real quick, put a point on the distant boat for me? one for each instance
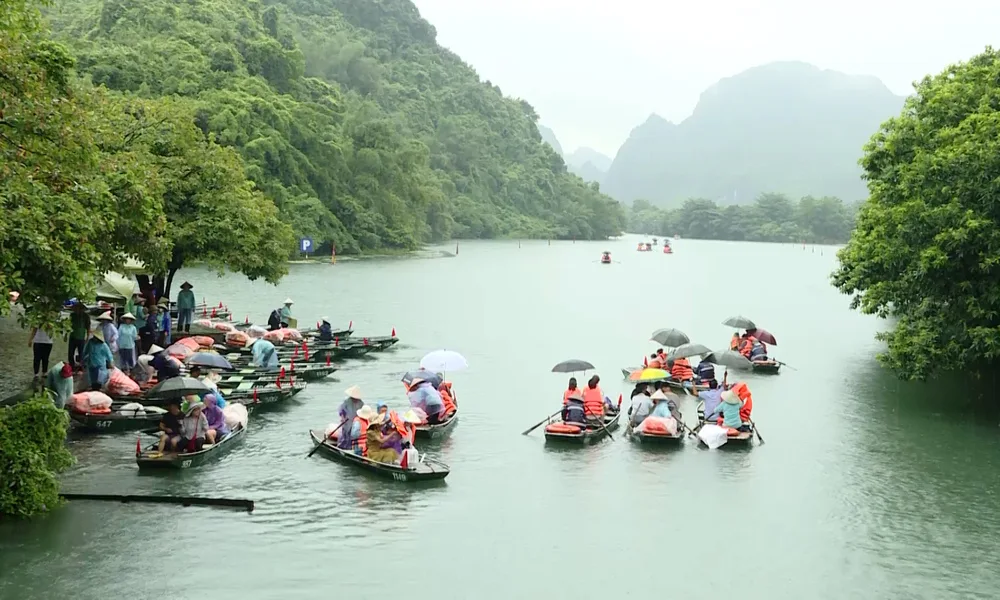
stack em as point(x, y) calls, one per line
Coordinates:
point(606, 258)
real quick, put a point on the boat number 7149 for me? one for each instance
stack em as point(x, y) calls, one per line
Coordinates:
point(399, 476)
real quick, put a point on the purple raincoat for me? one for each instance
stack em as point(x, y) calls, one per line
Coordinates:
point(216, 418)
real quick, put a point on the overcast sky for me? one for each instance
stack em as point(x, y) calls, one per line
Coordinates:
point(595, 69)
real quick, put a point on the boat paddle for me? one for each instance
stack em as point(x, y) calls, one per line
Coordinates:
point(605, 429)
point(784, 364)
point(323, 441)
point(754, 425)
point(540, 423)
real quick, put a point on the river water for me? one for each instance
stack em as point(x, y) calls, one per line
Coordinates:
point(865, 488)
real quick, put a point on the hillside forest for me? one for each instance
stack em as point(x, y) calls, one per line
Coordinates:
point(770, 218)
point(347, 114)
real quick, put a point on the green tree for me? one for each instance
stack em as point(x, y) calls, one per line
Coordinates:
point(926, 249)
point(63, 221)
point(32, 452)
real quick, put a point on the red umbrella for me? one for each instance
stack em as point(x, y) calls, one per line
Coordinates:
point(764, 336)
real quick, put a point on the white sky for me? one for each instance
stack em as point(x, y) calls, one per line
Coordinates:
point(595, 69)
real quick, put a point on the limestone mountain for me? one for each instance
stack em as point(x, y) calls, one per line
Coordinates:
point(786, 127)
point(588, 163)
point(549, 137)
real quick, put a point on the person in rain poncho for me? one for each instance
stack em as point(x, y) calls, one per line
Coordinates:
point(59, 380)
point(166, 366)
point(194, 428)
point(348, 410)
point(132, 303)
point(217, 428)
point(185, 307)
point(664, 406)
point(107, 324)
point(211, 381)
point(382, 446)
point(729, 408)
point(98, 360)
point(127, 336)
point(422, 395)
point(264, 354)
point(286, 312)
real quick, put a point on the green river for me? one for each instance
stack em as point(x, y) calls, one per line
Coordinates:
point(865, 488)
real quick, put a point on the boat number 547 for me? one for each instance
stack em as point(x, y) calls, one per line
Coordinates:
point(186, 464)
point(103, 424)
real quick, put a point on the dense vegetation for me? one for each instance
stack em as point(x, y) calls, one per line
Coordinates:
point(926, 249)
point(90, 177)
point(362, 130)
point(785, 127)
point(32, 452)
point(771, 218)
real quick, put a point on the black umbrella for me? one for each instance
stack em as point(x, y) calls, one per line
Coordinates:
point(572, 366)
point(686, 350)
point(669, 337)
point(433, 378)
point(178, 387)
point(728, 359)
point(740, 322)
point(209, 359)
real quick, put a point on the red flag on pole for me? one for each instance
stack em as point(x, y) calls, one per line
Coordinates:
point(328, 359)
point(336, 341)
point(405, 463)
point(305, 348)
point(293, 364)
point(393, 332)
point(138, 446)
point(619, 401)
point(255, 401)
point(350, 325)
point(246, 320)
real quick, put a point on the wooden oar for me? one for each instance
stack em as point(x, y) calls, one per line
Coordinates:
point(784, 364)
point(540, 423)
point(605, 429)
point(754, 425)
point(323, 441)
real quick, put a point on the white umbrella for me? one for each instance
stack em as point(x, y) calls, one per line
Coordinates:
point(440, 361)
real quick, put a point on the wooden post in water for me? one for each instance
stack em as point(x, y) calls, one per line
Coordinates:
point(456, 248)
point(333, 254)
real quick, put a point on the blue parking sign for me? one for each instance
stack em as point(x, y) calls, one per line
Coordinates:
point(305, 245)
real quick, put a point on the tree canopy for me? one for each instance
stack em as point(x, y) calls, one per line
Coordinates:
point(926, 249)
point(771, 218)
point(90, 177)
point(362, 130)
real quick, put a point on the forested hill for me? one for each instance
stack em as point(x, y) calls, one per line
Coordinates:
point(785, 127)
point(349, 116)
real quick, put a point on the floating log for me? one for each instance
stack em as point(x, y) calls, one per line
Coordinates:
point(246, 505)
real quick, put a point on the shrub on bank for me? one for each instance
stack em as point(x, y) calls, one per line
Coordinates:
point(32, 453)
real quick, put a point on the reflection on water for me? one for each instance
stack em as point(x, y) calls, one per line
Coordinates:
point(866, 488)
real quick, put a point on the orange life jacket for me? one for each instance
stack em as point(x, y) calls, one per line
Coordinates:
point(593, 401)
point(568, 393)
point(655, 363)
point(734, 343)
point(681, 371)
point(362, 440)
point(399, 425)
point(745, 347)
point(445, 390)
point(742, 392)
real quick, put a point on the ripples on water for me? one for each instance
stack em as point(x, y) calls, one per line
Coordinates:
point(865, 488)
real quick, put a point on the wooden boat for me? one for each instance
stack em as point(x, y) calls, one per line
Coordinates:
point(113, 422)
point(305, 372)
point(151, 459)
point(643, 437)
point(766, 367)
point(435, 432)
point(606, 258)
point(426, 470)
point(557, 431)
point(741, 439)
